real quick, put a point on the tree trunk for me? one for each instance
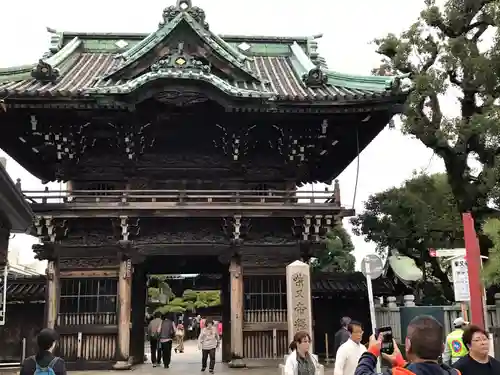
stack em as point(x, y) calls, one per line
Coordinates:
point(442, 276)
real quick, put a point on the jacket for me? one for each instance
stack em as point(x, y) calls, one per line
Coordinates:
point(43, 359)
point(167, 331)
point(368, 362)
point(154, 327)
point(291, 363)
point(341, 336)
point(208, 339)
point(454, 348)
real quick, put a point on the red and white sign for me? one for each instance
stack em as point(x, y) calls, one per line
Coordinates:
point(439, 253)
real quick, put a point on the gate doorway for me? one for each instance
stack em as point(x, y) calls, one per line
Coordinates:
point(157, 286)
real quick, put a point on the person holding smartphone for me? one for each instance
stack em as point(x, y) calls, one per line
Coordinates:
point(423, 347)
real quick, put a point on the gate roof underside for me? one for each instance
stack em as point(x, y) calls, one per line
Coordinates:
point(182, 51)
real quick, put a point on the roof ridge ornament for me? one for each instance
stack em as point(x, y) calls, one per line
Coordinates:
point(184, 6)
point(316, 77)
point(44, 72)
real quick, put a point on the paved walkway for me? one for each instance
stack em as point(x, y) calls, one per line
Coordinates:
point(189, 363)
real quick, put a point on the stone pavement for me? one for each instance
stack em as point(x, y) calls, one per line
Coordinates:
point(189, 363)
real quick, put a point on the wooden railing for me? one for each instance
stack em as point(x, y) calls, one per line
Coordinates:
point(219, 197)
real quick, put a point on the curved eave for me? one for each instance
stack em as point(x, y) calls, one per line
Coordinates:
point(372, 83)
point(146, 78)
point(13, 204)
point(358, 100)
point(378, 85)
point(24, 72)
point(151, 41)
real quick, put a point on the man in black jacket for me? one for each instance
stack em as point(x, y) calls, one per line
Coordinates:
point(423, 346)
point(342, 334)
point(46, 342)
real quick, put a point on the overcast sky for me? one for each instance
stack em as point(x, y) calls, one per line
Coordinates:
point(347, 27)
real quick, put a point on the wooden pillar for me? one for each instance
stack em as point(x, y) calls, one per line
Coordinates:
point(138, 301)
point(53, 291)
point(236, 282)
point(124, 314)
point(226, 318)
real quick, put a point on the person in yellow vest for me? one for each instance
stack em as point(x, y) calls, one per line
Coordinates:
point(454, 348)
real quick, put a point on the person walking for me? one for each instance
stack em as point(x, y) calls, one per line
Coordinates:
point(342, 335)
point(348, 355)
point(179, 337)
point(478, 360)
point(208, 342)
point(167, 333)
point(454, 347)
point(44, 362)
point(154, 327)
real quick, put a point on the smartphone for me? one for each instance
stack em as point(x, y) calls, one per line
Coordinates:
point(387, 346)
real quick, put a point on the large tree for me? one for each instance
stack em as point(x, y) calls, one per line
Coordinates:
point(419, 215)
point(454, 52)
point(337, 255)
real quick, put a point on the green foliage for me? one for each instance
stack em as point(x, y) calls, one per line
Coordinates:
point(412, 218)
point(491, 271)
point(442, 53)
point(337, 256)
point(157, 286)
point(191, 301)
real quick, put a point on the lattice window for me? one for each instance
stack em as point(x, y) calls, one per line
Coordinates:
point(88, 296)
point(265, 293)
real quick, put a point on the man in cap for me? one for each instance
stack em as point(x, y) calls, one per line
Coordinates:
point(454, 347)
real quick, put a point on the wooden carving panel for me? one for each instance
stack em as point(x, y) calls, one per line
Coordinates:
point(175, 231)
point(91, 232)
point(88, 263)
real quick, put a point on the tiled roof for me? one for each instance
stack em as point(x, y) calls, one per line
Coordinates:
point(89, 64)
point(26, 289)
point(350, 283)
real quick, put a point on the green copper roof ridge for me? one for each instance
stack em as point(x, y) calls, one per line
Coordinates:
point(137, 47)
point(373, 83)
point(301, 63)
point(153, 39)
point(60, 56)
point(133, 84)
point(24, 71)
point(231, 37)
point(230, 49)
point(201, 32)
point(145, 45)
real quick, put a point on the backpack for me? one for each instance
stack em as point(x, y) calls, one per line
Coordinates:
point(49, 370)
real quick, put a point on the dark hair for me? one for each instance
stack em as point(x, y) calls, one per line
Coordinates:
point(157, 314)
point(469, 332)
point(353, 324)
point(46, 339)
point(298, 338)
point(209, 321)
point(426, 336)
point(344, 322)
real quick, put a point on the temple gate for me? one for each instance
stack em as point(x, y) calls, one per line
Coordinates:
point(182, 152)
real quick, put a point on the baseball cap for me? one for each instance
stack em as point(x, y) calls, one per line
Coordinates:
point(458, 322)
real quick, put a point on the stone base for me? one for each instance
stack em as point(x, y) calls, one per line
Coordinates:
point(122, 365)
point(237, 363)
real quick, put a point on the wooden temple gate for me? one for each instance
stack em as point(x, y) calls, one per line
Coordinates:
point(265, 331)
point(193, 147)
point(87, 319)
